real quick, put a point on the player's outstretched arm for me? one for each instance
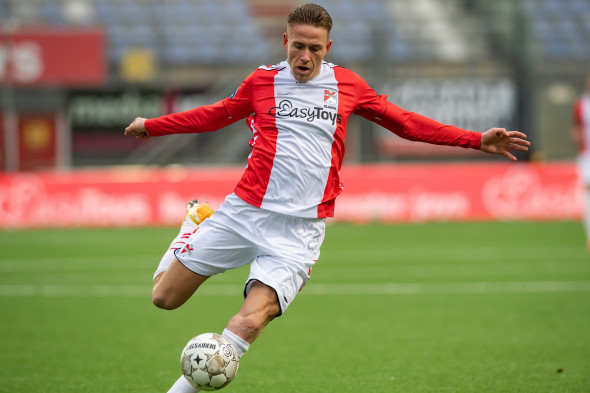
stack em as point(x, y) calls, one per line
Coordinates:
point(500, 141)
point(137, 128)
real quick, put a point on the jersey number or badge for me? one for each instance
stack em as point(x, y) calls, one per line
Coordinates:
point(330, 97)
point(187, 249)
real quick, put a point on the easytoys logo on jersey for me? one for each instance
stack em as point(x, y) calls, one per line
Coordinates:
point(287, 110)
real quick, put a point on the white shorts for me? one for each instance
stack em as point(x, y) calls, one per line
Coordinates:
point(282, 249)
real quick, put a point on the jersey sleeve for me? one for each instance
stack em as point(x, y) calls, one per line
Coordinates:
point(239, 105)
point(415, 127)
point(202, 119)
point(369, 104)
point(205, 118)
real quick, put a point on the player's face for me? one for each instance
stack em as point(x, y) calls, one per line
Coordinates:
point(306, 47)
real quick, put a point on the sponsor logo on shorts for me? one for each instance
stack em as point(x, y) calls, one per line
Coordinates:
point(187, 249)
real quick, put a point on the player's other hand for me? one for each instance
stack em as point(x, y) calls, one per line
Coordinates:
point(500, 141)
point(137, 129)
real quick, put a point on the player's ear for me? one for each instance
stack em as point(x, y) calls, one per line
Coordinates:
point(285, 40)
point(328, 46)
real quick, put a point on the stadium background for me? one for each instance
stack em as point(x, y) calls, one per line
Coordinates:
point(453, 306)
point(76, 72)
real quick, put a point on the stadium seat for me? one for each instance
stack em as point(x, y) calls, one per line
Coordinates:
point(561, 29)
point(51, 12)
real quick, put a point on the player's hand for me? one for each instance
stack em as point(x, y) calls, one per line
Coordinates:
point(137, 129)
point(500, 141)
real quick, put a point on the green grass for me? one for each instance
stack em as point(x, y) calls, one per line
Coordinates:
point(446, 307)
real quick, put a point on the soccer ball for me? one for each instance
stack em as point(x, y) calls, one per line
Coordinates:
point(209, 361)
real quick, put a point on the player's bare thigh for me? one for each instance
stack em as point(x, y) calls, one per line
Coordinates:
point(175, 286)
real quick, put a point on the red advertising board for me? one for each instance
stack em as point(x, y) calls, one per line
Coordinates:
point(459, 192)
point(385, 193)
point(64, 57)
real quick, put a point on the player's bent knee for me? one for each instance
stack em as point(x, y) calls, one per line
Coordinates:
point(164, 301)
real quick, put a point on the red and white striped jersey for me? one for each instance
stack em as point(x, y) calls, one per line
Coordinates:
point(299, 131)
point(582, 120)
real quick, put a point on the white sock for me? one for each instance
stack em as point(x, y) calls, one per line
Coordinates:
point(182, 386)
point(238, 342)
point(186, 230)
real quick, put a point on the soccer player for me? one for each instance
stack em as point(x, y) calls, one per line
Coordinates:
point(275, 218)
point(581, 134)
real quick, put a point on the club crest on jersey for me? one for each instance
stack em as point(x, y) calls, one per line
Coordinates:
point(330, 97)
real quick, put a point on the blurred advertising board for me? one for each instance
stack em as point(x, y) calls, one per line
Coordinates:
point(98, 119)
point(380, 193)
point(460, 192)
point(53, 57)
point(476, 104)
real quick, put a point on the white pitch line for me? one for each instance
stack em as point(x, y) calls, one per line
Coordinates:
point(310, 290)
point(104, 290)
point(448, 288)
point(65, 264)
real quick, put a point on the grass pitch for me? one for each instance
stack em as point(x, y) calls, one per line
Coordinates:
point(446, 307)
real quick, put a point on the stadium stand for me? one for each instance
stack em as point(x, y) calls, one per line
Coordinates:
point(180, 32)
point(186, 32)
point(174, 47)
point(559, 29)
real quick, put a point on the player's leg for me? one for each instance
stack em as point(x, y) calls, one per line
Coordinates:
point(584, 173)
point(217, 246)
point(587, 214)
point(195, 214)
point(180, 283)
point(175, 286)
point(277, 275)
point(259, 308)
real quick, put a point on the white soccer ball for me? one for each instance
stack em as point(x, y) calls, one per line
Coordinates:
point(209, 361)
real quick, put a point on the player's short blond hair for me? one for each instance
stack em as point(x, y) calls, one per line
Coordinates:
point(310, 14)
